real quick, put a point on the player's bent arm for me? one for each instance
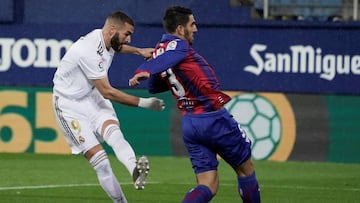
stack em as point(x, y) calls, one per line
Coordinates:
point(113, 94)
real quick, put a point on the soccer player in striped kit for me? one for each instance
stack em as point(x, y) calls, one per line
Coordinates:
point(82, 96)
point(208, 128)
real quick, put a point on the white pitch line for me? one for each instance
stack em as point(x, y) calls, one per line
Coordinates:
point(27, 187)
point(47, 186)
point(129, 183)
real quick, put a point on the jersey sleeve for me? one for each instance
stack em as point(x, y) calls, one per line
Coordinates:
point(173, 54)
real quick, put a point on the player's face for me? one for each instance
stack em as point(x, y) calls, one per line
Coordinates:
point(121, 36)
point(190, 29)
point(115, 42)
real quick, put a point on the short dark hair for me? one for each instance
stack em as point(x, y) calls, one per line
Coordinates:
point(120, 18)
point(174, 16)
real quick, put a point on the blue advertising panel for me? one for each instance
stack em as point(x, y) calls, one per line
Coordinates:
point(281, 58)
point(284, 59)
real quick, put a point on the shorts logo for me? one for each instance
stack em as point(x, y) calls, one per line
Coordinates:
point(76, 125)
point(81, 139)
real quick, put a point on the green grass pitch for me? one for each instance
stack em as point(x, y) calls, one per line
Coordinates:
point(40, 178)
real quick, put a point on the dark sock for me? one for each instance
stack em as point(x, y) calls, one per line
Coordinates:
point(248, 188)
point(200, 194)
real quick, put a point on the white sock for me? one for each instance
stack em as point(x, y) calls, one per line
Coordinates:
point(106, 177)
point(122, 149)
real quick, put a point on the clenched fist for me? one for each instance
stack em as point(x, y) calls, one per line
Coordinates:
point(152, 103)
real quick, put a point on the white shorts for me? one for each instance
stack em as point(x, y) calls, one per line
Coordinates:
point(81, 120)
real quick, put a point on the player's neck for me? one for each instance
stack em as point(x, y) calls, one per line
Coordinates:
point(106, 38)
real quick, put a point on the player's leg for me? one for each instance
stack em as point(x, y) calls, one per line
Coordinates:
point(208, 184)
point(99, 161)
point(232, 144)
point(248, 185)
point(203, 160)
point(138, 169)
point(108, 128)
point(115, 139)
point(79, 135)
point(235, 149)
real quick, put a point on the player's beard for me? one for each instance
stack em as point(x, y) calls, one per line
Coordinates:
point(188, 37)
point(115, 43)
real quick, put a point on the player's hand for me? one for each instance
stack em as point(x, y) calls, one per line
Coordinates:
point(146, 52)
point(152, 103)
point(138, 77)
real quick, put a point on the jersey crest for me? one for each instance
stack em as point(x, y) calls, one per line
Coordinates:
point(101, 66)
point(171, 45)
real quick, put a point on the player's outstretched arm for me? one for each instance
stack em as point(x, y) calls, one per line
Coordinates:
point(144, 52)
point(113, 94)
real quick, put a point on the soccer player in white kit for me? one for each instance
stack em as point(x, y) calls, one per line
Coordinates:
point(82, 105)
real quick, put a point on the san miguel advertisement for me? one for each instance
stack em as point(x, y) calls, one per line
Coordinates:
point(286, 59)
point(275, 60)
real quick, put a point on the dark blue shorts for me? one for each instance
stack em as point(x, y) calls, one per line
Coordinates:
point(208, 134)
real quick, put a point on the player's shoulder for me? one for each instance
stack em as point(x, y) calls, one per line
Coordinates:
point(89, 44)
point(91, 38)
point(176, 44)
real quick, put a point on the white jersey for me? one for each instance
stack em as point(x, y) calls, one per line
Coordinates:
point(87, 59)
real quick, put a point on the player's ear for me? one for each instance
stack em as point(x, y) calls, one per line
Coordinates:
point(112, 30)
point(180, 30)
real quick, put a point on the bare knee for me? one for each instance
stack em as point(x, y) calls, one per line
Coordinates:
point(245, 169)
point(106, 124)
point(90, 153)
point(209, 179)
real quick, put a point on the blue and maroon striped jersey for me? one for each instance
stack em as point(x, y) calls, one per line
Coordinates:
point(176, 66)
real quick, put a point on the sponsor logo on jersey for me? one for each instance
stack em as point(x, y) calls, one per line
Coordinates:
point(159, 50)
